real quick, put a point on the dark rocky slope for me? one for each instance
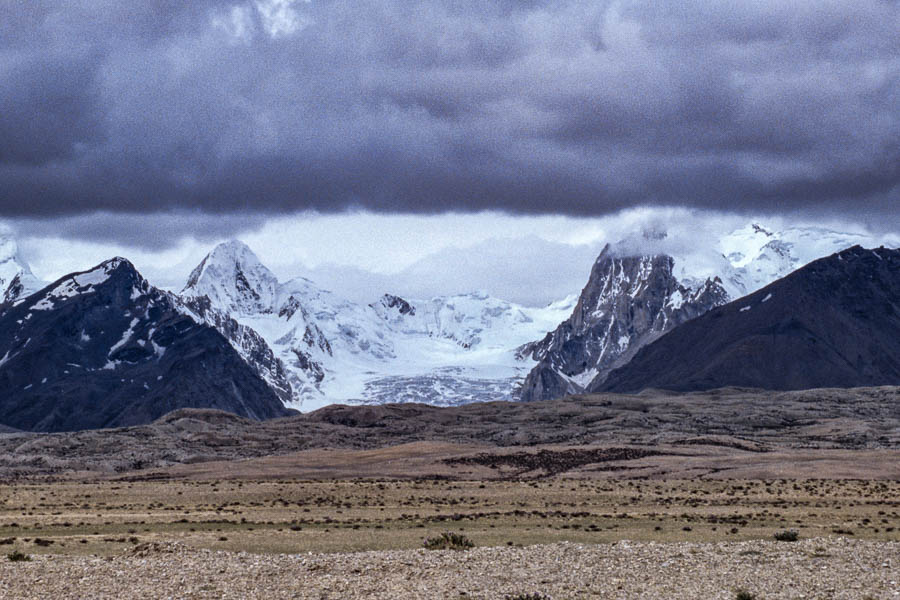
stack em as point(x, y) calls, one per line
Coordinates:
point(833, 323)
point(103, 348)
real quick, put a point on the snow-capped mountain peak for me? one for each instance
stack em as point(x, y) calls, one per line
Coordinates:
point(125, 280)
point(234, 280)
point(16, 278)
point(760, 254)
point(103, 347)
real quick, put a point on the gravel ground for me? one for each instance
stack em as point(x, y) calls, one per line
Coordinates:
point(831, 568)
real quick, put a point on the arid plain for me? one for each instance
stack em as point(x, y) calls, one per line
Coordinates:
point(656, 495)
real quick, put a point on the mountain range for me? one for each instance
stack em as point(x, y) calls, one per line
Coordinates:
point(238, 338)
point(444, 351)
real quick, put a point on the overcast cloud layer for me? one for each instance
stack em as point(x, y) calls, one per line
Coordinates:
point(532, 260)
point(580, 108)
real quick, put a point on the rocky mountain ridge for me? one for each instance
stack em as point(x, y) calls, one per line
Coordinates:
point(832, 323)
point(104, 348)
point(643, 286)
point(628, 302)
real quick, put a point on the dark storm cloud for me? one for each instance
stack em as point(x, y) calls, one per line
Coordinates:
point(574, 107)
point(153, 231)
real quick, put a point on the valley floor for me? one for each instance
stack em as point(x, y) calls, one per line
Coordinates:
point(648, 496)
point(561, 537)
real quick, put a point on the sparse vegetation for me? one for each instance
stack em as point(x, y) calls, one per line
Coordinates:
point(504, 519)
point(448, 541)
point(16, 556)
point(744, 595)
point(290, 516)
point(788, 535)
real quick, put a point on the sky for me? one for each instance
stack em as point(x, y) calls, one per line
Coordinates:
point(488, 141)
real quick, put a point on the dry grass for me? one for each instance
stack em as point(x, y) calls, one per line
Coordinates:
point(286, 516)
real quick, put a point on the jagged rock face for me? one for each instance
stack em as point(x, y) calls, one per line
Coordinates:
point(247, 342)
point(627, 303)
point(103, 348)
point(832, 323)
point(15, 289)
point(397, 303)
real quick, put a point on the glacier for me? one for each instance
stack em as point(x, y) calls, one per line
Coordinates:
point(443, 351)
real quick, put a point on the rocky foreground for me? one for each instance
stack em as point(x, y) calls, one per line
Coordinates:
point(833, 568)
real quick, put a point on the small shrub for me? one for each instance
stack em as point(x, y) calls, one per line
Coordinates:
point(16, 556)
point(534, 596)
point(788, 535)
point(449, 541)
point(744, 595)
